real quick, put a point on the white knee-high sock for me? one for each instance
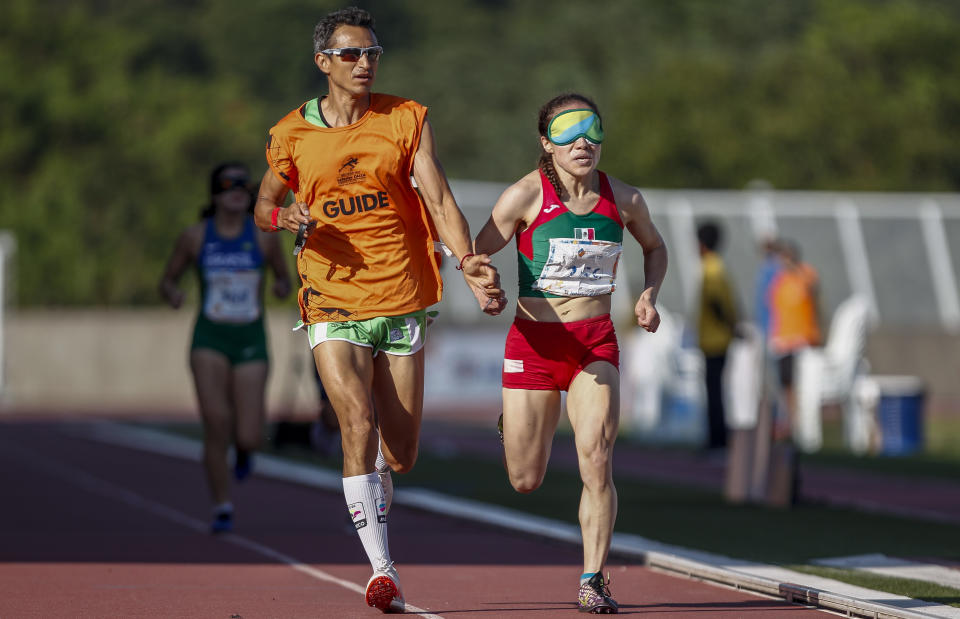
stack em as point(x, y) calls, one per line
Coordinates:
point(381, 462)
point(367, 508)
point(383, 470)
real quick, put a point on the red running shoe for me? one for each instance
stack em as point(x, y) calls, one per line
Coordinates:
point(383, 590)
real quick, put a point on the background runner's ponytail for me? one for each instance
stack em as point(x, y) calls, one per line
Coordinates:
point(545, 162)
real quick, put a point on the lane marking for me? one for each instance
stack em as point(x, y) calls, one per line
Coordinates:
point(824, 593)
point(104, 488)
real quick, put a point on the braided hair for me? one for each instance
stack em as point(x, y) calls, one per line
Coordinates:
point(545, 162)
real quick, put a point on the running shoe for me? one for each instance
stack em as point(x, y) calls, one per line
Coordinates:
point(594, 597)
point(383, 590)
point(500, 428)
point(243, 465)
point(222, 522)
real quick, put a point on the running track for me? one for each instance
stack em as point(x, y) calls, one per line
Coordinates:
point(89, 529)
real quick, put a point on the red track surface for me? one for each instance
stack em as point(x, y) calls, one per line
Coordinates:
point(93, 530)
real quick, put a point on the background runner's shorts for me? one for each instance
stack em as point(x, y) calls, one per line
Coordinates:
point(239, 343)
point(548, 355)
point(396, 335)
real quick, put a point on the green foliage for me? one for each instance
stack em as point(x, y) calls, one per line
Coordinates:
point(113, 113)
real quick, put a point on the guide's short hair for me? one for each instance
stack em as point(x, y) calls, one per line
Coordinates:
point(350, 16)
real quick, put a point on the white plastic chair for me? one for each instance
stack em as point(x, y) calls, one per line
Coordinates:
point(827, 375)
point(659, 371)
point(743, 378)
point(649, 364)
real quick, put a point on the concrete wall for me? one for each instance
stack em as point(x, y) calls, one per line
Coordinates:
point(135, 361)
point(117, 361)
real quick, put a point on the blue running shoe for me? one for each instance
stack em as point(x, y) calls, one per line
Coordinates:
point(222, 522)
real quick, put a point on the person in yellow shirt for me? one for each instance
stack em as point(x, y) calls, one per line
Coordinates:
point(716, 326)
point(367, 266)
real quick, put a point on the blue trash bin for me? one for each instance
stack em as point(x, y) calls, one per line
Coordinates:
point(900, 415)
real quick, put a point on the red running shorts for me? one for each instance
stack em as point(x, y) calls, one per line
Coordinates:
point(548, 355)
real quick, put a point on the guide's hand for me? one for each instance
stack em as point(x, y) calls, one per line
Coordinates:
point(293, 216)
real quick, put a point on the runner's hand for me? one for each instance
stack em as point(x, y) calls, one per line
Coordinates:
point(484, 281)
point(490, 305)
point(647, 315)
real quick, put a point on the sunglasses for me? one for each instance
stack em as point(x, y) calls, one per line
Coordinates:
point(232, 182)
point(569, 126)
point(352, 54)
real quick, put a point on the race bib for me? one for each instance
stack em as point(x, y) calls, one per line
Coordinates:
point(580, 268)
point(232, 296)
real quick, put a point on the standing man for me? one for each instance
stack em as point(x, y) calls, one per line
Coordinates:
point(367, 268)
point(716, 323)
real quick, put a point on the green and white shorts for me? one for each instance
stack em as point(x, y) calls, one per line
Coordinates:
point(394, 335)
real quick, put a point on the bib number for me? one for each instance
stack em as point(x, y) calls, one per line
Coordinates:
point(232, 296)
point(580, 268)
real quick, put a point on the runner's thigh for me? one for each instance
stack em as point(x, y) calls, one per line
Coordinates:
point(593, 405)
point(346, 371)
point(530, 418)
point(398, 392)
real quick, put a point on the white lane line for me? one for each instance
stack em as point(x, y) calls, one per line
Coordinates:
point(104, 488)
point(770, 580)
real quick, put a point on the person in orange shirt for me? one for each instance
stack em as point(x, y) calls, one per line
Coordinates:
point(794, 319)
point(367, 265)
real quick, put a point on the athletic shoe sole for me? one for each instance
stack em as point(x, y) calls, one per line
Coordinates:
point(600, 610)
point(382, 593)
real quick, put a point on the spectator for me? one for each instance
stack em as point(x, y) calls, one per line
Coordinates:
point(716, 324)
point(794, 323)
point(769, 267)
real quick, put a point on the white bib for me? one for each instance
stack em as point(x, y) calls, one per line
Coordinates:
point(580, 268)
point(232, 296)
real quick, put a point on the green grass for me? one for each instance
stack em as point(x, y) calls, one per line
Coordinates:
point(940, 458)
point(699, 519)
point(916, 589)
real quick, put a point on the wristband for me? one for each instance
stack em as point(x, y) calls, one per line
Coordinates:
point(273, 218)
point(465, 256)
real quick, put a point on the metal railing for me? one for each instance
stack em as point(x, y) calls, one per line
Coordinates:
point(901, 251)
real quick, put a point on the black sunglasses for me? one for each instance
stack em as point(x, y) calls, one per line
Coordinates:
point(352, 54)
point(231, 182)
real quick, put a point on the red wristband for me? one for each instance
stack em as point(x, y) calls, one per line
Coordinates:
point(273, 218)
point(465, 256)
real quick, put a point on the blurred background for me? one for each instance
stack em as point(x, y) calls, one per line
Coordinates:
point(833, 123)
